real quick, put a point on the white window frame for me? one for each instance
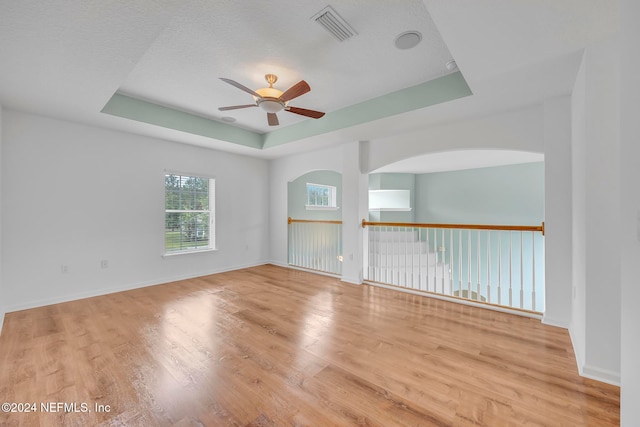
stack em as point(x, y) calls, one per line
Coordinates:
point(331, 200)
point(211, 244)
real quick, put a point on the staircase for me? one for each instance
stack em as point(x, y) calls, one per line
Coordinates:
point(401, 258)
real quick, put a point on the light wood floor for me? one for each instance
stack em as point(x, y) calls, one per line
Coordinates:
point(269, 346)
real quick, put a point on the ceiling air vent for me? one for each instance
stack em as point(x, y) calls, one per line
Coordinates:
point(334, 23)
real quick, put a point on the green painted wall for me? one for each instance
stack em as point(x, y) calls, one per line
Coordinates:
point(393, 181)
point(442, 89)
point(504, 195)
point(512, 194)
point(297, 195)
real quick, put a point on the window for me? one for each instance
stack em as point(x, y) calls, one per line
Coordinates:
point(189, 216)
point(321, 196)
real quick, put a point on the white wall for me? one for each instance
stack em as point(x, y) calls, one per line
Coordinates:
point(345, 159)
point(596, 212)
point(355, 186)
point(630, 218)
point(2, 296)
point(281, 172)
point(516, 130)
point(513, 130)
point(507, 194)
point(557, 211)
point(75, 195)
point(578, 215)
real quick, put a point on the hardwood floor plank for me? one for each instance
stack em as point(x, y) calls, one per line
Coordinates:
point(270, 346)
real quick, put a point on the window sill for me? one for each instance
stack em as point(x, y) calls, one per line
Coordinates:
point(199, 251)
point(321, 208)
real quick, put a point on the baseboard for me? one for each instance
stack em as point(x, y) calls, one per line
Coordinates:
point(2, 311)
point(462, 301)
point(602, 375)
point(352, 280)
point(278, 263)
point(308, 270)
point(593, 372)
point(122, 288)
point(576, 353)
point(555, 322)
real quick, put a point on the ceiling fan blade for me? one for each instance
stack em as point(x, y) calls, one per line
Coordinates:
point(295, 91)
point(235, 107)
point(239, 86)
point(272, 119)
point(304, 112)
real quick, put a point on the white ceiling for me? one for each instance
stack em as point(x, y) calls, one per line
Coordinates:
point(67, 58)
point(244, 41)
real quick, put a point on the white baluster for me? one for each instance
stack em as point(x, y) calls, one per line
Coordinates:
point(387, 272)
point(478, 259)
point(379, 254)
point(450, 262)
point(405, 263)
point(413, 247)
point(510, 270)
point(499, 268)
point(488, 266)
point(323, 255)
point(469, 264)
point(460, 263)
point(443, 261)
point(428, 278)
point(533, 271)
point(435, 267)
point(521, 274)
point(394, 266)
point(420, 258)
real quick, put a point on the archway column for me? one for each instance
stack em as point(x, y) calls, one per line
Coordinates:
point(355, 205)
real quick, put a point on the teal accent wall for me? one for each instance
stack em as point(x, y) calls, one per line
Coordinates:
point(393, 181)
point(502, 195)
point(297, 196)
point(505, 195)
point(442, 89)
point(147, 112)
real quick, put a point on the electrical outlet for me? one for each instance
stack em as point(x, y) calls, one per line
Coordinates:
point(104, 263)
point(64, 269)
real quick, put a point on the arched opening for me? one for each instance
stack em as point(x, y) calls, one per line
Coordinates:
point(314, 203)
point(450, 223)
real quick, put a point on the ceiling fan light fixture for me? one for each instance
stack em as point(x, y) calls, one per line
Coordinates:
point(269, 96)
point(271, 105)
point(272, 100)
point(269, 92)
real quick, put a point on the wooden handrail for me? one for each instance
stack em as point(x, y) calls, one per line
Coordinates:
point(317, 221)
point(539, 228)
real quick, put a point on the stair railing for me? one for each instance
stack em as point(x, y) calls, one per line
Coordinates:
point(315, 245)
point(494, 264)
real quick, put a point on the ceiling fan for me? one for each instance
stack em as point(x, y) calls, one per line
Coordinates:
point(273, 100)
